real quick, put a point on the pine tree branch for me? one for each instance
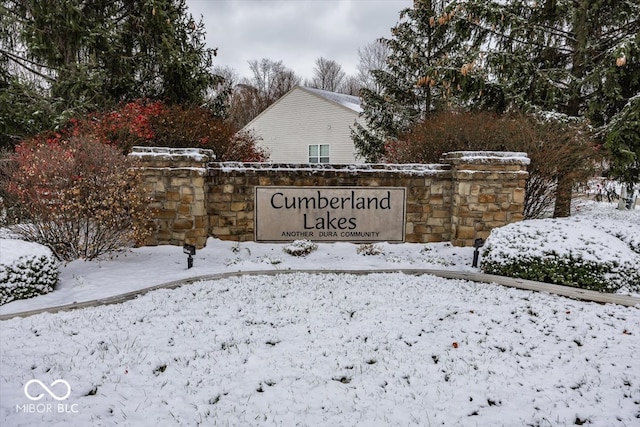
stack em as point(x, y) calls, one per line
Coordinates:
point(518, 40)
point(21, 62)
point(4, 10)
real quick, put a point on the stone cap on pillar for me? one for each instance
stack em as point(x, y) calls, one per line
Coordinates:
point(172, 157)
point(477, 161)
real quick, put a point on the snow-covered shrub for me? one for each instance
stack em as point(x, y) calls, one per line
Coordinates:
point(369, 249)
point(563, 252)
point(622, 224)
point(300, 247)
point(26, 270)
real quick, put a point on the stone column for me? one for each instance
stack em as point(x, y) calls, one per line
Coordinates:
point(175, 181)
point(488, 192)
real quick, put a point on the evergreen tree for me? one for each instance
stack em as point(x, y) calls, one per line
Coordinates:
point(562, 59)
point(85, 55)
point(623, 141)
point(407, 92)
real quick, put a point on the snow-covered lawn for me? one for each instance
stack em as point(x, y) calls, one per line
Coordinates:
point(145, 267)
point(329, 350)
point(316, 350)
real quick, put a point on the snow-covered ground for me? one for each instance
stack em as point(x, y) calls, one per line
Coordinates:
point(303, 349)
point(148, 266)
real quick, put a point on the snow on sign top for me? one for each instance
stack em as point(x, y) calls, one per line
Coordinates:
point(349, 101)
point(475, 156)
point(197, 154)
point(406, 168)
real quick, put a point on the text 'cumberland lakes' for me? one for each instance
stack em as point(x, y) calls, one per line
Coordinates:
point(280, 201)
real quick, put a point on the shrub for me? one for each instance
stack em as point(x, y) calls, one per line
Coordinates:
point(10, 209)
point(369, 249)
point(26, 270)
point(556, 150)
point(196, 127)
point(154, 124)
point(82, 198)
point(618, 223)
point(556, 251)
point(300, 248)
point(125, 127)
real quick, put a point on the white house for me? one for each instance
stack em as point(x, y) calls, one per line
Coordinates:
point(309, 125)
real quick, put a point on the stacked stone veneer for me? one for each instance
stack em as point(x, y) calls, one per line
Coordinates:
point(488, 191)
point(459, 200)
point(175, 180)
point(232, 186)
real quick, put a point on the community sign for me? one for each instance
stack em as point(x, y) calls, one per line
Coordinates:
point(352, 214)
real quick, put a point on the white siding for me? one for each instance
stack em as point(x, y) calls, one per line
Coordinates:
point(301, 118)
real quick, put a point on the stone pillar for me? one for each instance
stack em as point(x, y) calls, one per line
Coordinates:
point(175, 181)
point(488, 191)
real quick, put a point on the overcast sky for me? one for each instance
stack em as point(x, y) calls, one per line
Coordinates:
point(294, 31)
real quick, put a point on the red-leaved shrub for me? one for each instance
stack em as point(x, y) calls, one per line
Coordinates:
point(196, 127)
point(82, 199)
point(154, 124)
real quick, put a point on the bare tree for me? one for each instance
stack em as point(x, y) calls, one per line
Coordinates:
point(372, 57)
point(271, 79)
point(229, 75)
point(244, 104)
point(328, 75)
point(221, 94)
point(351, 86)
point(250, 96)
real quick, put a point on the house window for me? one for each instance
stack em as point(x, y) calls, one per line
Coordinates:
point(319, 153)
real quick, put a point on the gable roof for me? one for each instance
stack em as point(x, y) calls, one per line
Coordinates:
point(349, 101)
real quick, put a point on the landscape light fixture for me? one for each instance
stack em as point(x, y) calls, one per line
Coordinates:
point(477, 244)
point(191, 251)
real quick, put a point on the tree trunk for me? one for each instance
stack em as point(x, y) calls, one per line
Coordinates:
point(563, 197)
point(579, 59)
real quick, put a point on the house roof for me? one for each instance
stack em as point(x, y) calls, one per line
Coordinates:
point(349, 101)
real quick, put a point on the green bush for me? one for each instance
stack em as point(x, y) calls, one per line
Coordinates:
point(29, 271)
point(562, 252)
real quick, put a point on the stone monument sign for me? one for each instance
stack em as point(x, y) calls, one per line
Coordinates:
point(352, 214)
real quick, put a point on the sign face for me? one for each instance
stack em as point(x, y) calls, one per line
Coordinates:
point(350, 214)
